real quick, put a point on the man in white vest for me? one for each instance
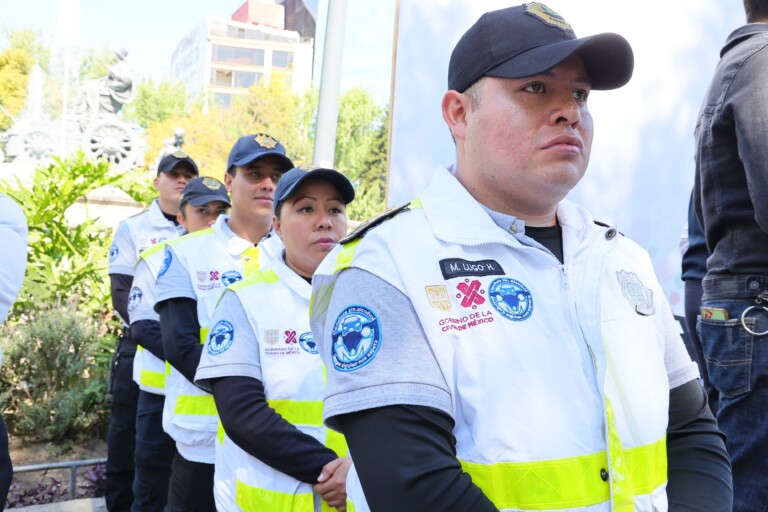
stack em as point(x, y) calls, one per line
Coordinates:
point(196, 270)
point(202, 201)
point(490, 346)
point(133, 235)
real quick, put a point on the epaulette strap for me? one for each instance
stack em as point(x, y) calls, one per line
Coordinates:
point(604, 225)
point(371, 223)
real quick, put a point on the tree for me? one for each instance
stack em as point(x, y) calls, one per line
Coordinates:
point(371, 186)
point(28, 40)
point(359, 121)
point(15, 66)
point(154, 103)
point(272, 107)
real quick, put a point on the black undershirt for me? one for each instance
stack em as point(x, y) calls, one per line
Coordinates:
point(550, 237)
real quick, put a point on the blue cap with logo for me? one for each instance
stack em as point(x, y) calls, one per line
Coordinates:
point(178, 157)
point(291, 180)
point(252, 147)
point(204, 190)
point(529, 39)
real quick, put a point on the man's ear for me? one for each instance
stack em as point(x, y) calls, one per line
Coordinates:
point(456, 106)
point(278, 227)
point(228, 181)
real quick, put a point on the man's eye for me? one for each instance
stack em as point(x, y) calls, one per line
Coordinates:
point(581, 95)
point(538, 87)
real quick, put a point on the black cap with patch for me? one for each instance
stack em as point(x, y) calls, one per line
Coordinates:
point(170, 162)
point(204, 190)
point(530, 39)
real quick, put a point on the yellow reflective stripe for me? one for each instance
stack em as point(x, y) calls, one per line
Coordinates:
point(541, 485)
point(220, 432)
point(336, 442)
point(253, 499)
point(416, 204)
point(139, 348)
point(167, 368)
point(568, 483)
point(299, 412)
point(152, 379)
point(198, 405)
point(152, 249)
point(350, 506)
point(204, 334)
point(647, 466)
point(346, 253)
point(250, 259)
point(621, 483)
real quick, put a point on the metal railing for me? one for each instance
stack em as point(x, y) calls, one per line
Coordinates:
point(72, 465)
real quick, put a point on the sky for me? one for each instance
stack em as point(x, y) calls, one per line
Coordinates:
point(148, 29)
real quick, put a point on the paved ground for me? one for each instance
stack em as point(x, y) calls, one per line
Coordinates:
point(83, 505)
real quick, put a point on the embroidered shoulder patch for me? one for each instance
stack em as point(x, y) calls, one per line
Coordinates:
point(639, 296)
point(221, 337)
point(371, 223)
point(356, 338)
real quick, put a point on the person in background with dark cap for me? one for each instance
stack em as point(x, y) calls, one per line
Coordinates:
point(731, 203)
point(490, 346)
point(133, 235)
point(202, 201)
point(263, 368)
point(196, 270)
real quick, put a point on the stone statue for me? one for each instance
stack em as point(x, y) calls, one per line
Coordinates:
point(108, 94)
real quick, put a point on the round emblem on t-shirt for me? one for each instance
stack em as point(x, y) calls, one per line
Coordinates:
point(221, 337)
point(230, 276)
point(307, 342)
point(113, 253)
point(166, 262)
point(134, 298)
point(511, 298)
point(356, 338)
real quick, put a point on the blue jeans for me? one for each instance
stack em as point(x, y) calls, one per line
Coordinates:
point(737, 364)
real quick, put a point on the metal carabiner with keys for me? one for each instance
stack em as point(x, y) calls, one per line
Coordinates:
point(758, 304)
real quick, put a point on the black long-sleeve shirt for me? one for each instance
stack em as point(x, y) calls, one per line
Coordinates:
point(180, 334)
point(147, 333)
point(260, 431)
point(419, 442)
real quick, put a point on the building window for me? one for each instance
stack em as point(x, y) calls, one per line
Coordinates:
point(282, 59)
point(221, 77)
point(238, 56)
point(246, 79)
point(222, 99)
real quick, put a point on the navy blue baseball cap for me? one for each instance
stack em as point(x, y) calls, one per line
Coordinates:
point(251, 147)
point(204, 190)
point(530, 39)
point(170, 162)
point(291, 180)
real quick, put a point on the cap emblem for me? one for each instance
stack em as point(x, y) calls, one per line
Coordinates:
point(180, 154)
point(547, 15)
point(211, 183)
point(265, 141)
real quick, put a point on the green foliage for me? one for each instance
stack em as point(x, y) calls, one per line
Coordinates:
point(28, 40)
point(95, 63)
point(359, 120)
point(65, 262)
point(54, 379)
point(272, 107)
point(154, 103)
point(371, 182)
point(138, 183)
point(15, 66)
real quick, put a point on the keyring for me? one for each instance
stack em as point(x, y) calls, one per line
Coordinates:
point(744, 324)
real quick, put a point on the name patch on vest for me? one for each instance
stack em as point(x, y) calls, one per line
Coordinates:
point(457, 267)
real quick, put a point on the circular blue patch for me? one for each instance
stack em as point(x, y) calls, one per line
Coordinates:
point(221, 337)
point(134, 298)
point(511, 298)
point(231, 276)
point(114, 252)
point(307, 342)
point(356, 338)
point(166, 262)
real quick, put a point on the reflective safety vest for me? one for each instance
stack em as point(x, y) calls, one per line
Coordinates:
point(555, 371)
point(148, 370)
point(213, 260)
point(276, 303)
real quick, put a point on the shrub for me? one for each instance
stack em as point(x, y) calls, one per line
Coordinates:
point(54, 376)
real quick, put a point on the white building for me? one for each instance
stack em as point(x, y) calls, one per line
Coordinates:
point(220, 58)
